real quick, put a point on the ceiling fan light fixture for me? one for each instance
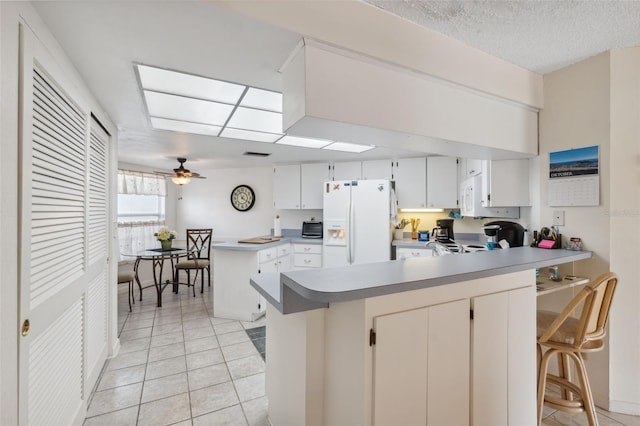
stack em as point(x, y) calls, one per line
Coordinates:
point(180, 180)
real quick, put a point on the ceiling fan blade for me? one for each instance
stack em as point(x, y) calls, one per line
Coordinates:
point(164, 173)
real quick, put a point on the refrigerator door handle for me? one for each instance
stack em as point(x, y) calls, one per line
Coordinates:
point(348, 230)
point(352, 229)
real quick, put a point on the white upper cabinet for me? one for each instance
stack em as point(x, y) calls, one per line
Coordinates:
point(286, 187)
point(410, 175)
point(350, 170)
point(299, 186)
point(377, 169)
point(312, 177)
point(505, 183)
point(471, 167)
point(442, 182)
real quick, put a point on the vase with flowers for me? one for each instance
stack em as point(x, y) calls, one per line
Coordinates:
point(165, 236)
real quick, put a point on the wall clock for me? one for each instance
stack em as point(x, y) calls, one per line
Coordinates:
point(243, 198)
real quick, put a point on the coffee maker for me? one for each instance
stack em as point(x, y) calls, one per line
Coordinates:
point(443, 232)
point(511, 232)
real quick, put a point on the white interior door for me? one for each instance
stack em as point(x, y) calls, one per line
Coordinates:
point(63, 236)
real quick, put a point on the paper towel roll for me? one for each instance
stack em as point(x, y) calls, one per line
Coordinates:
point(277, 232)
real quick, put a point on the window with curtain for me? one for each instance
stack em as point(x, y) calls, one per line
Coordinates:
point(141, 210)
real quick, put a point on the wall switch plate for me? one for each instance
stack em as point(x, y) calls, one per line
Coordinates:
point(558, 217)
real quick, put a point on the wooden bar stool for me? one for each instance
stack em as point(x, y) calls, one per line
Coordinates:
point(568, 338)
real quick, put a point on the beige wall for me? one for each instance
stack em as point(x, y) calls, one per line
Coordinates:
point(597, 102)
point(624, 230)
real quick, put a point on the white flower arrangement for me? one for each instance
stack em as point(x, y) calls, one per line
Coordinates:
point(165, 234)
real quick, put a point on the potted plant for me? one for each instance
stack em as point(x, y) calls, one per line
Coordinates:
point(165, 236)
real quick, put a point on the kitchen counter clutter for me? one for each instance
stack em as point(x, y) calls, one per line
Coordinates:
point(435, 340)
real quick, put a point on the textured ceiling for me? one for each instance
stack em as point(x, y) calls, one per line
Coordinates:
point(541, 36)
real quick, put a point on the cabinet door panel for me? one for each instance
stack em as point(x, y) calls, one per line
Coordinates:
point(509, 183)
point(400, 368)
point(522, 353)
point(377, 169)
point(448, 364)
point(442, 182)
point(286, 187)
point(351, 170)
point(312, 176)
point(410, 175)
point(490, 358)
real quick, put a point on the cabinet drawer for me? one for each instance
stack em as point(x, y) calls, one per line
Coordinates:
point(284, 250)
point(267, 254)
point(405, 253)
point(308, 248)
point(307, 260)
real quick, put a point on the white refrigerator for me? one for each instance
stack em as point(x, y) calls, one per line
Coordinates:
point(357, 222)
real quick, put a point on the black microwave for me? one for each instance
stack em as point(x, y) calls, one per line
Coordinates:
point(311, 229)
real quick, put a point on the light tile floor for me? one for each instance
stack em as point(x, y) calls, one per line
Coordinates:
point(605, 418)
point(180, 365)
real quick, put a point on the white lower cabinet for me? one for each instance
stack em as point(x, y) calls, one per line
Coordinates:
point(421, 366)
point(274, 259)
point(406, 252)
point(307, 256)
point(500, 322)
point(423, 360)
point(233, 296)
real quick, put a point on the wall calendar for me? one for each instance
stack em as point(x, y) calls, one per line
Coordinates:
point(574, 177)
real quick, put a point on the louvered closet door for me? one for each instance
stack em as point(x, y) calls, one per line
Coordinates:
point(63, 244)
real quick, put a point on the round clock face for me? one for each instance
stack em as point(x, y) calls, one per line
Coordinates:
point(242, 198)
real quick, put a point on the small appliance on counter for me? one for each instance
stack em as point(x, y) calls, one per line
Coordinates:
point(443, 232)
point(511, 232)
point(312, 229)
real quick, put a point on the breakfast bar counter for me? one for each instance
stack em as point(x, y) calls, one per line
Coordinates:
point(297, 291)
point(433, 340)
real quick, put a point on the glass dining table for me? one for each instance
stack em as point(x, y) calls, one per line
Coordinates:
point(158, 257)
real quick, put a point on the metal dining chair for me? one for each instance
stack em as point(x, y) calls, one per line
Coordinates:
point(199, 258)
point(127, 278)
point(569, 337)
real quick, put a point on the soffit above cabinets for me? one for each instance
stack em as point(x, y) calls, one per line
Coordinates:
point(335, 94)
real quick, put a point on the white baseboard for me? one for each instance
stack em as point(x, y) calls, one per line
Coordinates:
point(625, 407)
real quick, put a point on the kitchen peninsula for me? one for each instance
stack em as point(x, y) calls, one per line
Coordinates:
point(234, 262)
point(436, 340)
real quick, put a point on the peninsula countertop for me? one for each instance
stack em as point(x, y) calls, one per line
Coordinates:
point(297, 291)
point(233, 244)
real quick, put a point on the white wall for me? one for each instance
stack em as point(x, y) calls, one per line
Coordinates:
point(207, 204)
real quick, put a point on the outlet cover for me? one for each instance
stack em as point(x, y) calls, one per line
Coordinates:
point(558, 217)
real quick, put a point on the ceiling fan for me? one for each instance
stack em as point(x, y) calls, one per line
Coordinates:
point(180, 175)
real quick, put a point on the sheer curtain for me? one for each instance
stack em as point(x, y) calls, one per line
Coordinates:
point(135, 232)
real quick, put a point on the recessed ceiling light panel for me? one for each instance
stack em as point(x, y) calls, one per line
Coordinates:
point(187, 109)
point(348, 147)
point(229, 132)
point(188, 85)
point(185, 127)
point(262, 99)
point(304, 142)
point(255, 119)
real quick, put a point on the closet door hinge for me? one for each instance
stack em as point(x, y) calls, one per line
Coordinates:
point(372, 337)
point(470, 313)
